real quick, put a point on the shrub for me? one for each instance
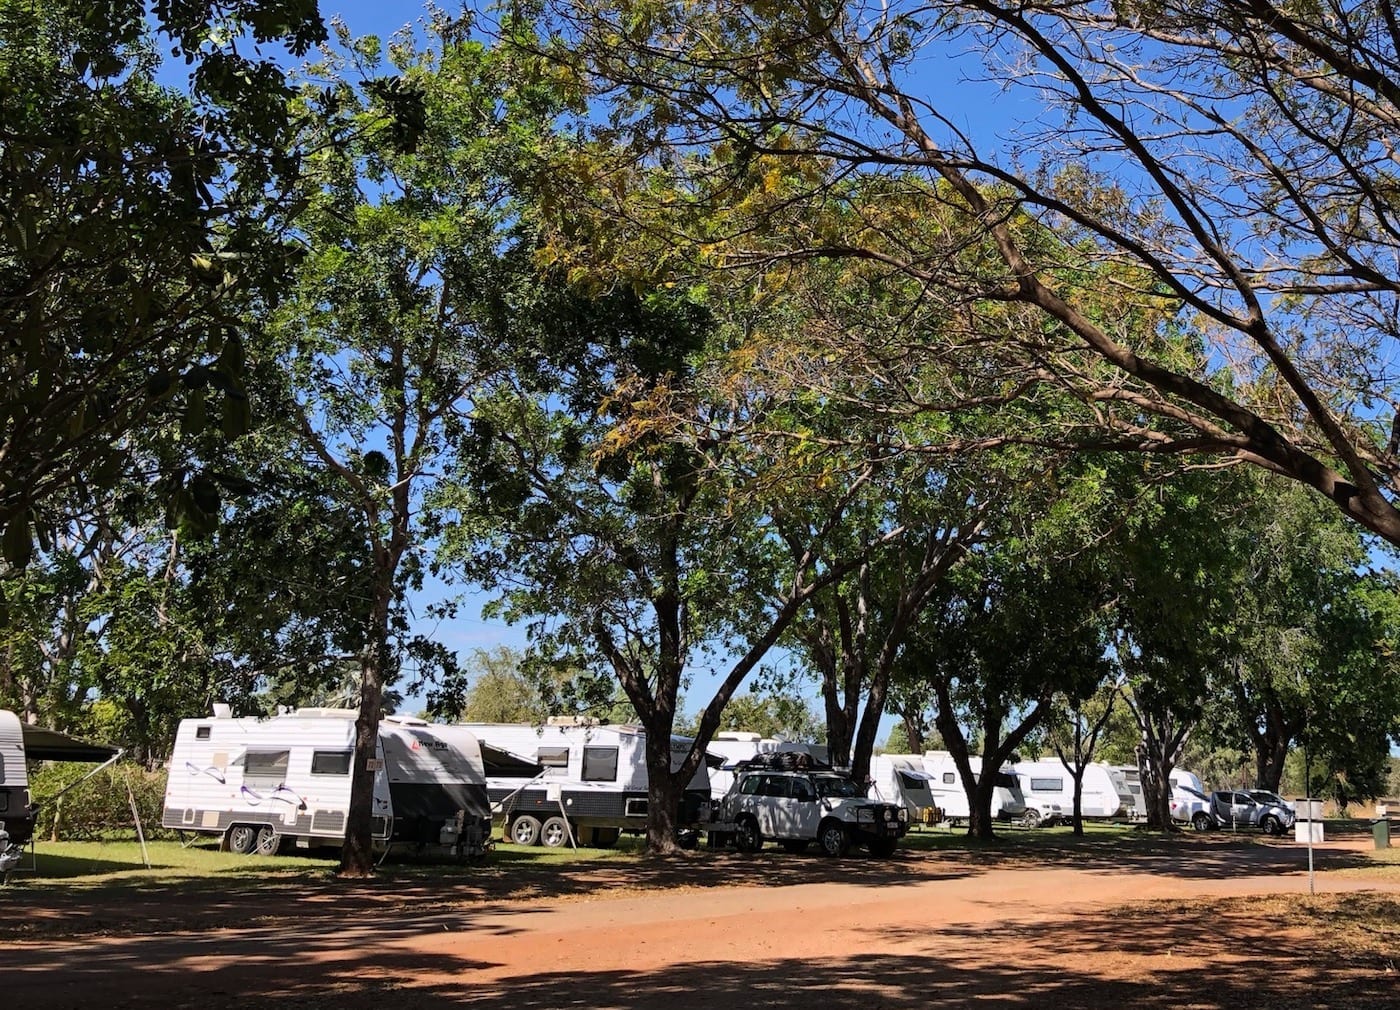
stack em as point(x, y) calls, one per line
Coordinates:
point(100, 805)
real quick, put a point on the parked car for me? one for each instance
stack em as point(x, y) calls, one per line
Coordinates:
point(796, 807)
point(1241, 810)
point(1264, 796)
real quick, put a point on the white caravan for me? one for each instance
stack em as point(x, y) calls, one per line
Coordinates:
point(21, 742)
point(1048, 784)
point(1183, 805)
point(16, 813)
point(255, 782)
point(592, 784)
point(900, 778)
point(1008, 802)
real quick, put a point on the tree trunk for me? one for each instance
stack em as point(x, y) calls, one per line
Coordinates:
point(1154, 775)
point(913, 730)
point(664, 791)
point(357, 854)
point(1078, 776)
point(981, 822)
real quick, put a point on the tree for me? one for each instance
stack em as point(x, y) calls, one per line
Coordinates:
point(414, 232)
point(1008, 628)
point(635, 547)
point(1317, 620)
point(774, 716)
point(130, 237)
point(1074, 731)
point(1227, 160)
point(499, 691)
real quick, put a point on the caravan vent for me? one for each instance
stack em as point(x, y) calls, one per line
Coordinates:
point(328, 822)
point(636, 807)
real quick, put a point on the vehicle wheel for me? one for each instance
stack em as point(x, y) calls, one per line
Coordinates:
point(1031, 818)
point(1272, 825)
point(269, 841)
point(242, 838)
point(883, 848)
point(833, 840)
point(1201, 822)
point(794, 844)
point(747, 838)
point(554, 833)
point(525, 830)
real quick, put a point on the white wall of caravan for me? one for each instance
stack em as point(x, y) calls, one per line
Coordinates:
point(901, 778)
point(562, 752)
point(208, 769)
point(1007, 801)
point(1050, 780)
point(12, 768)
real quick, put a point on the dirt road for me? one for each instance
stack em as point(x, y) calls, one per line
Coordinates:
point(971, 930)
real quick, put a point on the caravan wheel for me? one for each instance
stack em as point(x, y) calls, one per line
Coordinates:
point(242, 838)
point(555, 833)
point(525, 830)
point(269, 841)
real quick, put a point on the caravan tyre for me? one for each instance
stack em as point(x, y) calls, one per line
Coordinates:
point(833, 839)
point(242, 838)
point(269, 841)
point(554, 833)
point(525, 830)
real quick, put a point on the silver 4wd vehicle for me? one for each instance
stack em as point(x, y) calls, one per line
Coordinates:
point(1241, 810)
point(798, 807)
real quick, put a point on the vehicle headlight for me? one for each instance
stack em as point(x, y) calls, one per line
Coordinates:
point(866, 814)
point(903, 814)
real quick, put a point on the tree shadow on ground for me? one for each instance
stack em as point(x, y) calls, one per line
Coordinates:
point(311, 895)
point(1152, 956)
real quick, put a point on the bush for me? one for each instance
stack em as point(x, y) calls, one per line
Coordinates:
point(99, 806)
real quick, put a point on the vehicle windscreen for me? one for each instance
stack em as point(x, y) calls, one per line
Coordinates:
point(835, 785)
point(1007, 781)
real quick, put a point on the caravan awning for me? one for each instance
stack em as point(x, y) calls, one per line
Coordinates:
point(503, 764)
point(42, 744)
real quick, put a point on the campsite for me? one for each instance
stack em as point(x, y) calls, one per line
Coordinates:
point(1120, 919)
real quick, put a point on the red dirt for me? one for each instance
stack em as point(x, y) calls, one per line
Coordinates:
point(1071, 929)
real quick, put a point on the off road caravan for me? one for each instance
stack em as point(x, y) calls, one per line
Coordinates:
point(16, 814)
point(592, 785)
point(1049, 782)
point(900, 778)
point(21, 742)
point(1008, 803)
point(259, 782)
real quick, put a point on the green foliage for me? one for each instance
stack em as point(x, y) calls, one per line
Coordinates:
point(776, 716)
point(129, 241)
point(99, 807)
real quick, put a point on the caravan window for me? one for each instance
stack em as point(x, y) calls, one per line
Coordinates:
point(330, 762)
point(948, 778)
point(600, 764)
point(266, 767)
point(1047, 785)
point(201, 732)
point(553, 757)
